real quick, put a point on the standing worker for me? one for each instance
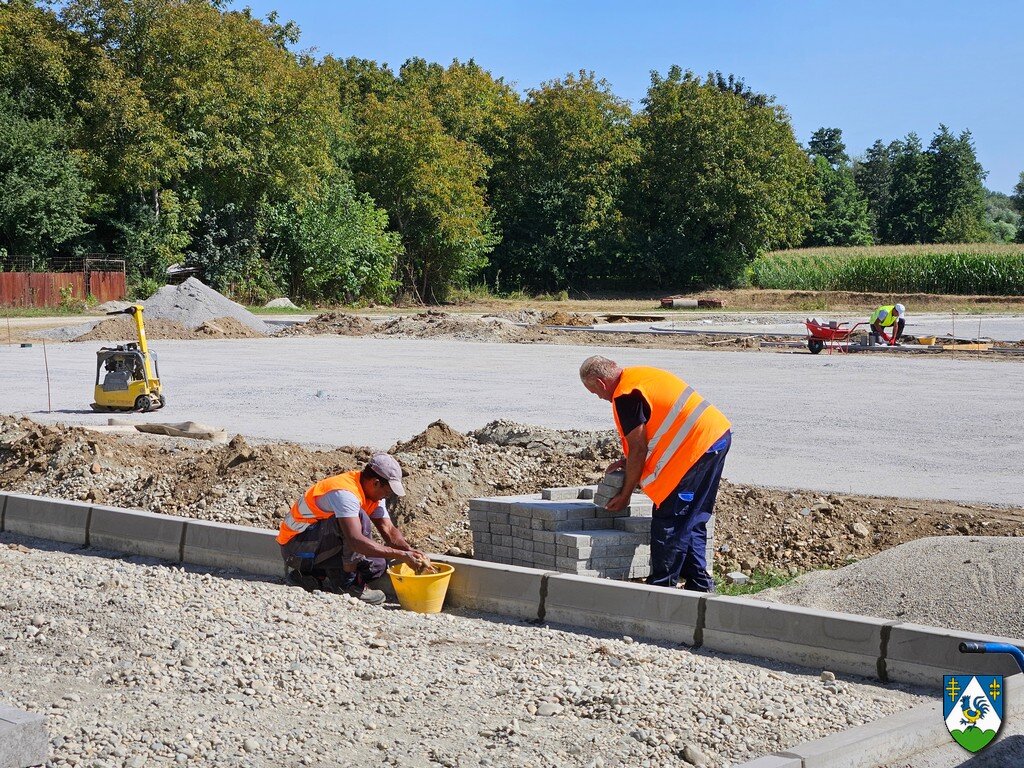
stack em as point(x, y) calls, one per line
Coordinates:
point(675, 443)
point(326, 536)
point(887, 317)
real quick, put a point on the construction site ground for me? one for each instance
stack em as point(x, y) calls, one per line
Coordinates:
point(835, 458)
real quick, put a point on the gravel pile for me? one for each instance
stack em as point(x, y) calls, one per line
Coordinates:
point(193, 303)
point(969, 583)
point(140, 664)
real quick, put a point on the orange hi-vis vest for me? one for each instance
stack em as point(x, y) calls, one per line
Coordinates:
point(682, 427)
point(305, 511)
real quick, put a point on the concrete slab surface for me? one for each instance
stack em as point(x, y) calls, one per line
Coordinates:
point(799, 420)
point(23, 738)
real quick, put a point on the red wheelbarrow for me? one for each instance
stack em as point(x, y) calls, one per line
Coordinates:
point(832, 335)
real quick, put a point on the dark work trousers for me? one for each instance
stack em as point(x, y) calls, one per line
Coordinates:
point(321, 551)
point(679, 526)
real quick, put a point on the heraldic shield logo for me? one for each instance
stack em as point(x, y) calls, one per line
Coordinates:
point(973, 708)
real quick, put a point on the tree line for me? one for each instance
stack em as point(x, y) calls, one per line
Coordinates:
point(184, 132)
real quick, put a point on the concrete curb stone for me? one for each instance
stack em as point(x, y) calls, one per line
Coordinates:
point(23, 738)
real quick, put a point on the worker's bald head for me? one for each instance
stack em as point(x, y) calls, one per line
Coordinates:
point(600, 376)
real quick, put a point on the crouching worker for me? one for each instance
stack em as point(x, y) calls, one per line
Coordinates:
point(326, 536)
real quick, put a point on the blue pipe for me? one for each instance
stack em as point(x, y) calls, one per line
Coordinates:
point(1013, 650)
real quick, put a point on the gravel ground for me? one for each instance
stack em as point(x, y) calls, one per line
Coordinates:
point(136, 663)
point(970, 583)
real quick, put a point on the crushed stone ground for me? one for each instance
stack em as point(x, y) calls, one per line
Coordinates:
point(140, 664)
point(969, 583)
point(757, 528)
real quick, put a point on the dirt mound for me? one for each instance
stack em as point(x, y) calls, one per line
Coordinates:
point(122, 328)
point(528, 316)
point(756, 529)
point(226, 328)
point(435, 324)
point(569, 319)
point(436, 435)
point(328, 323)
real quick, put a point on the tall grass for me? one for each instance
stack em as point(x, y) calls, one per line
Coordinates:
point(984, 268)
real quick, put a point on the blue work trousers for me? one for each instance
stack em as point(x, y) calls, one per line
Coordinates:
point(679, 525)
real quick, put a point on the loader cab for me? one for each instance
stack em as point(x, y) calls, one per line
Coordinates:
point(121, 382)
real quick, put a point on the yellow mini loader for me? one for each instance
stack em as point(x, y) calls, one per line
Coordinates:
point(132, 378)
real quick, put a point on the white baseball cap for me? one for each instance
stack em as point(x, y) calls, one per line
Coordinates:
point(900, 310)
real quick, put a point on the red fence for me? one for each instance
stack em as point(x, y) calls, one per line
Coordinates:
point(42, 289)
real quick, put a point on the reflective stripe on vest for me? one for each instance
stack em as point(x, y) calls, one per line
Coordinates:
point(304, 512)
point(684, 427)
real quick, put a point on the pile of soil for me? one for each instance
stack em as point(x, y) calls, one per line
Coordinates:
point(572, 319)
point(193, 303)
point(757, 528)
point(434, 324)
point(328, 323)
point(122, 328)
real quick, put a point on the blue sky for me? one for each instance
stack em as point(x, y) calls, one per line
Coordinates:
point(877, 70)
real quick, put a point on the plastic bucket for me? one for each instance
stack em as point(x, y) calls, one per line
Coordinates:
point(422, 593)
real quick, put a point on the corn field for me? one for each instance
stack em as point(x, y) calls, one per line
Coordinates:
point(976, 269)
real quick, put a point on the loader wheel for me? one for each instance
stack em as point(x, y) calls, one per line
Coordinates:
point(144, 403)
point(815, 345)
point(163, 401)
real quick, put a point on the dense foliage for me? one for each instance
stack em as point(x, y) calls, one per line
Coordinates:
point(185, 132)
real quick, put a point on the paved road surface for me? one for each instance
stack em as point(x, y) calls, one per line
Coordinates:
point(866, 424)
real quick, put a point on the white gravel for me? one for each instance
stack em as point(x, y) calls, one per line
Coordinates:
point(969, 583)
point(193, 303)
point(135, 663)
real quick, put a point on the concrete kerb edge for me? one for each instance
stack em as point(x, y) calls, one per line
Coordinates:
point(3, 510)
point(893, 738)
point(23, 737)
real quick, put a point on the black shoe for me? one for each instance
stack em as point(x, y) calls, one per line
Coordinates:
point(304, 580)
point(354, 588)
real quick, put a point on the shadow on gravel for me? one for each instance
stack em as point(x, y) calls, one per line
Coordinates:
point(1003, 753)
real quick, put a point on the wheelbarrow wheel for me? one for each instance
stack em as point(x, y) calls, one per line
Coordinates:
point(815, 345)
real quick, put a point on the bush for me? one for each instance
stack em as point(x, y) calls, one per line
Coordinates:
point(143, 288)
point(991, 269)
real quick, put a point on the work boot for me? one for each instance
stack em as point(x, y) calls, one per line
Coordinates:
point(306, 581)
point(346, 585)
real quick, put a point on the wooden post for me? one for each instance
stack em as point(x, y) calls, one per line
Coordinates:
point(46, 362)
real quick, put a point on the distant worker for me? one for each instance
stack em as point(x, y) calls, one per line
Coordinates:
point(326, 536)
point(888, 317)
point(675, 443)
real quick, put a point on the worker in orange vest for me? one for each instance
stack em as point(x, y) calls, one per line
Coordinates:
point(675, 443)
point(326, 536)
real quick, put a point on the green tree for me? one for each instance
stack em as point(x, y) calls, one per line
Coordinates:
point(873, 176)
point(720, 179)
point(1001, 219)
point(842, 219)
point(45, 195)
point(558, 190)
point(955, 190)
point(334, 246)
point(828, 143)
point(908, 216)
point(1018, 201)
point(432, 185)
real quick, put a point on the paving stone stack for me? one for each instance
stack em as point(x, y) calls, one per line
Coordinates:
point(568, 530)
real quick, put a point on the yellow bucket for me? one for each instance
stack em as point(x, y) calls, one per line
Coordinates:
point(926, 340)
point(422, 593)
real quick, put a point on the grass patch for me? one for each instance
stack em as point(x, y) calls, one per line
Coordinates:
point(759, 580)
point(261, 310)
point(41, 311)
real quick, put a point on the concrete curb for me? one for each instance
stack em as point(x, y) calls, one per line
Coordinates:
point(23, 739)
point(892, 739)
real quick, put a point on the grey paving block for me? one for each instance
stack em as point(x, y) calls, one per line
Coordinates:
point(635, 525)
point(544, 537)
point(922, 655)
point(587, 491)
point(221, 545)
point(599, 524)
point(23, 738)
point(560, 494)
point(136, 532)
point(501, 554)
point(573, 539)
point(633, 609)
point(46, 518)
point(504, 589)
point(840, 642)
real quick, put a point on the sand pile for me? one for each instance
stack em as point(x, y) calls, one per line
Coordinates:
point(571, 319)
point(123, 329)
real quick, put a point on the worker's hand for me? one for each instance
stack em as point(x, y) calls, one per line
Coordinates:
point(615, 466)
point(619, 502)
point(414, 559)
